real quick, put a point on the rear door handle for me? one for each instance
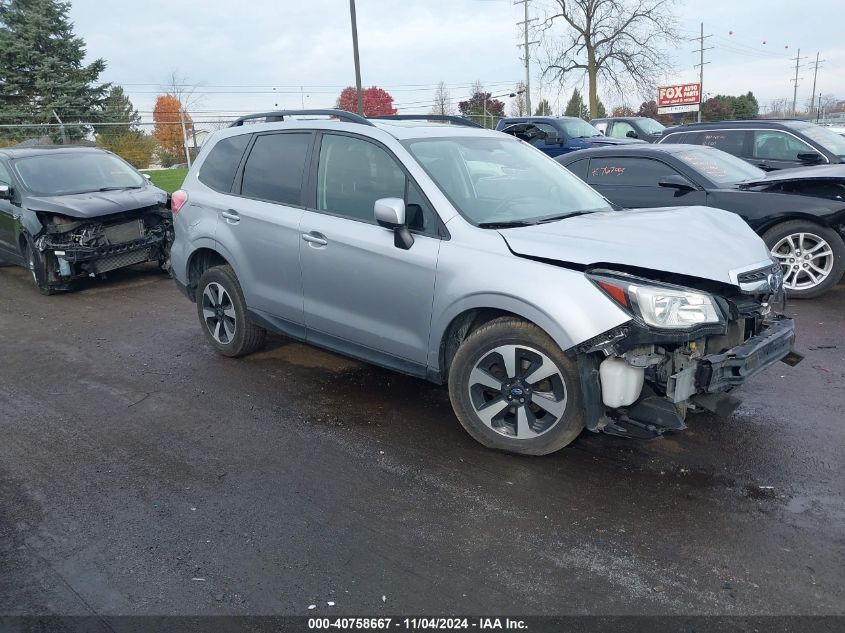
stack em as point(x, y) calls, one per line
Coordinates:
point(231, 216)
point(318, 239)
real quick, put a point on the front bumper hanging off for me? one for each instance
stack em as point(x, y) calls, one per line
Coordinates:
point(717, 373)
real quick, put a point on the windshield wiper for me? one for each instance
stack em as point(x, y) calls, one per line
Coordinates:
point(505, 224)
point(118, 188)
point(563, 216)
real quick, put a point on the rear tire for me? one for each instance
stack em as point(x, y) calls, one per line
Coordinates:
point(812, 257)
point(222, 313)
point(514, 390)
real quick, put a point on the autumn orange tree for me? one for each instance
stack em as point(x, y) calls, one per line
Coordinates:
point(376, 101)
point(168, 128)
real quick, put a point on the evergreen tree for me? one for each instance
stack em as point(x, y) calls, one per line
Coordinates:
point(601, 112)
point(41, 70)
point(575, 106)
point(543, 108)
point(117, 108)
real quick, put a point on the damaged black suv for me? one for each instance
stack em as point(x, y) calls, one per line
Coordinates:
point(73, 212)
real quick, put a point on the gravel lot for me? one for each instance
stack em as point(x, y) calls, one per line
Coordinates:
point(140, 473)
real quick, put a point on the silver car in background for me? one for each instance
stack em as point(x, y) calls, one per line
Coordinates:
point(467, 257)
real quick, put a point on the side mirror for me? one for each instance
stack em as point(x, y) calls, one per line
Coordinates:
point(631, 134)
point(554, 139)
point(676, 181)
point(148, 177)
point(5, 192)
point(390, 213)
point(810, 158)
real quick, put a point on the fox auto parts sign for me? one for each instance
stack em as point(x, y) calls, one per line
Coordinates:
point(680, 98)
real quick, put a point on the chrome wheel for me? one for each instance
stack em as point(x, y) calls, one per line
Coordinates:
point(806, 259)
point(218, 311)
point(517, 391)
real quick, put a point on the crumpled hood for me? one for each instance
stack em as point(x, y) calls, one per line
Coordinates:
point(99, 203)
point(696, 241)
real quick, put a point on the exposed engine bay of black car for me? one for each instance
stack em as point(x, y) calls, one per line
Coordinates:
point(73, 248)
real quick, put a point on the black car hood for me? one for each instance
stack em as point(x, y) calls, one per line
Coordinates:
point(98, 203)
point(818, 172)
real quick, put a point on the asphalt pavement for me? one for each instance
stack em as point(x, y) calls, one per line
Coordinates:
point(141, 473)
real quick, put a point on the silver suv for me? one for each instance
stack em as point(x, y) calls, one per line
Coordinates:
point(468, 257)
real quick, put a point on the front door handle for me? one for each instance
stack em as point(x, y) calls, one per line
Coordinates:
point(231, 216)
point(318, 239)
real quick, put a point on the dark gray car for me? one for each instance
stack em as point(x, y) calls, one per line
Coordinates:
point(73, 212)
point(468, 257)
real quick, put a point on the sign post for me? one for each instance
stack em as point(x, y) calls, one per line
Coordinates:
point(679, 98)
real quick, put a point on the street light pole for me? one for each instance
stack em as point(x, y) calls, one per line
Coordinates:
point(355, 54)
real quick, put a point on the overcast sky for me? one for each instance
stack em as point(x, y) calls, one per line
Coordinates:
point(256, 54)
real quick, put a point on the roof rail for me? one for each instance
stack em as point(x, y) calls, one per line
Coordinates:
point(279, 115)
point(454, 120)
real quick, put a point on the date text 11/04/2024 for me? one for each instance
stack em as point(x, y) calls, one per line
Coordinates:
point(417, 624)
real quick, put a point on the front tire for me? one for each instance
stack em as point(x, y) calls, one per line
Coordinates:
point(514, 390)
point(812, 257)
point(222, 313)
point(37, 268)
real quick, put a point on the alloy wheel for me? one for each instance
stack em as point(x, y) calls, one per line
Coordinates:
point(806, 259)
point(218, 311)
point(517, 391)
point(31, 266)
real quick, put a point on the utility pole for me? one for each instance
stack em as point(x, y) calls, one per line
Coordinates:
point(798, 59)
point(62, 127)
point(813, 93)
point(355, 54)
point(525, 24)
point(185, 137)
point(700, 66)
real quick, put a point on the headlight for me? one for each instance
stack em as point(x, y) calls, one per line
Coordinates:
point(669, 308)
point(660, 306)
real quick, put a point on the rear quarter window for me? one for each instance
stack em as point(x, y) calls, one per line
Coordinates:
point(219, 168)
point(579, 168)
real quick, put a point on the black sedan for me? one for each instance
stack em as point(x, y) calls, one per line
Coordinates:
point(73, 212)
point(799, 213)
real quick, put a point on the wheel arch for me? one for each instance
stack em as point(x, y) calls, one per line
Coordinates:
point(468, 317)
point(200, 261)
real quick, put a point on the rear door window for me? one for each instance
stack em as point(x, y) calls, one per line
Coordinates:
point(693, 138)
point(275, 167)
point(636, 172)
point(730, 141)
point(777, 145)
point(219, 168)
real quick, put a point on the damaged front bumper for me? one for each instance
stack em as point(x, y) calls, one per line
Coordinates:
point(717, 373)
point(73, 250)
point(683, 378)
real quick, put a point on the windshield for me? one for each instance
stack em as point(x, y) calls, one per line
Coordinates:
point(578, 128)
point(503, 180)
point(650, 126)
point(67, 173)
point(720, 167)
point(831, 141)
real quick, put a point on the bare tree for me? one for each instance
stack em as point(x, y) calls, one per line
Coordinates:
point(442, 101)
point(620, 42)
point(518, 105)
point(779, 108)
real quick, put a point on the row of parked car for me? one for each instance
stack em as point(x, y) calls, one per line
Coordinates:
point(784, 178)
point(460, 255)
